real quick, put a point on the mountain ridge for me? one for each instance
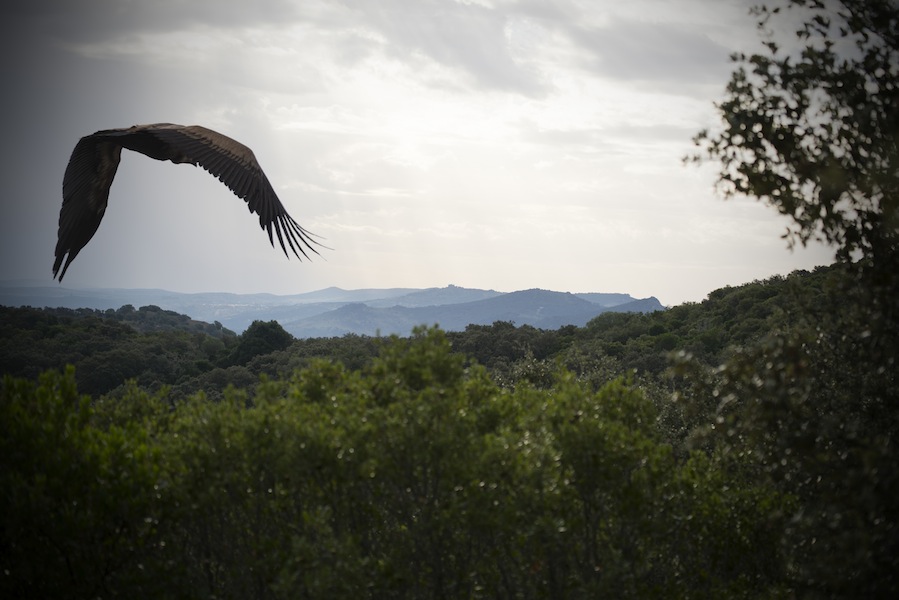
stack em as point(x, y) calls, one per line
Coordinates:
point(334, 311)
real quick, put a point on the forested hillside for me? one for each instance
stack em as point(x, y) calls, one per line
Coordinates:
point(501, 460)
point(157, 348)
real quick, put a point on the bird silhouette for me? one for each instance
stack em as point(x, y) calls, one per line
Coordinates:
point(93, 164)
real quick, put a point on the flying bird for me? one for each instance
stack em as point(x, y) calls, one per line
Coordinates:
point(93, 164)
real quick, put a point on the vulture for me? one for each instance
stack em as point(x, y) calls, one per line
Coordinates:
point(93, 164)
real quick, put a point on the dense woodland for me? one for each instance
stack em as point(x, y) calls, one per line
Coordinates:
point(741, 447)
point(619, 458)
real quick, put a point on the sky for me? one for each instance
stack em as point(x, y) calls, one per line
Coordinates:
point(495, 144)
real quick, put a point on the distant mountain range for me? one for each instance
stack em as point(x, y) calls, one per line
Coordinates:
point(335, 312)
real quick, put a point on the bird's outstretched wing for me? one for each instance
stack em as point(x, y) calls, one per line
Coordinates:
point(85, 191)
point(233, 164)
point(95, 159)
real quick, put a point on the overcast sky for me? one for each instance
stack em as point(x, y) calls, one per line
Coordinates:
point(482, 143)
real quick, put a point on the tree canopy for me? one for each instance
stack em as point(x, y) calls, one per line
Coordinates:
point(810, 125)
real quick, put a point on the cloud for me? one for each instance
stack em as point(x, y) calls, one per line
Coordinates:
point(469, 38)
point(646, 51)
point(82, 21)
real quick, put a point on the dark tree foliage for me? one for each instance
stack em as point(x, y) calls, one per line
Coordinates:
point(811, 126)
point(417, 478)
point(149, 345)
point(261, 337)
point(413, 474)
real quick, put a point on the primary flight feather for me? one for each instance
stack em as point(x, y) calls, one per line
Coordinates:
point(92, 167)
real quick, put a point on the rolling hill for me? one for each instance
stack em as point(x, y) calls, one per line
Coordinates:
point(334, 311)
